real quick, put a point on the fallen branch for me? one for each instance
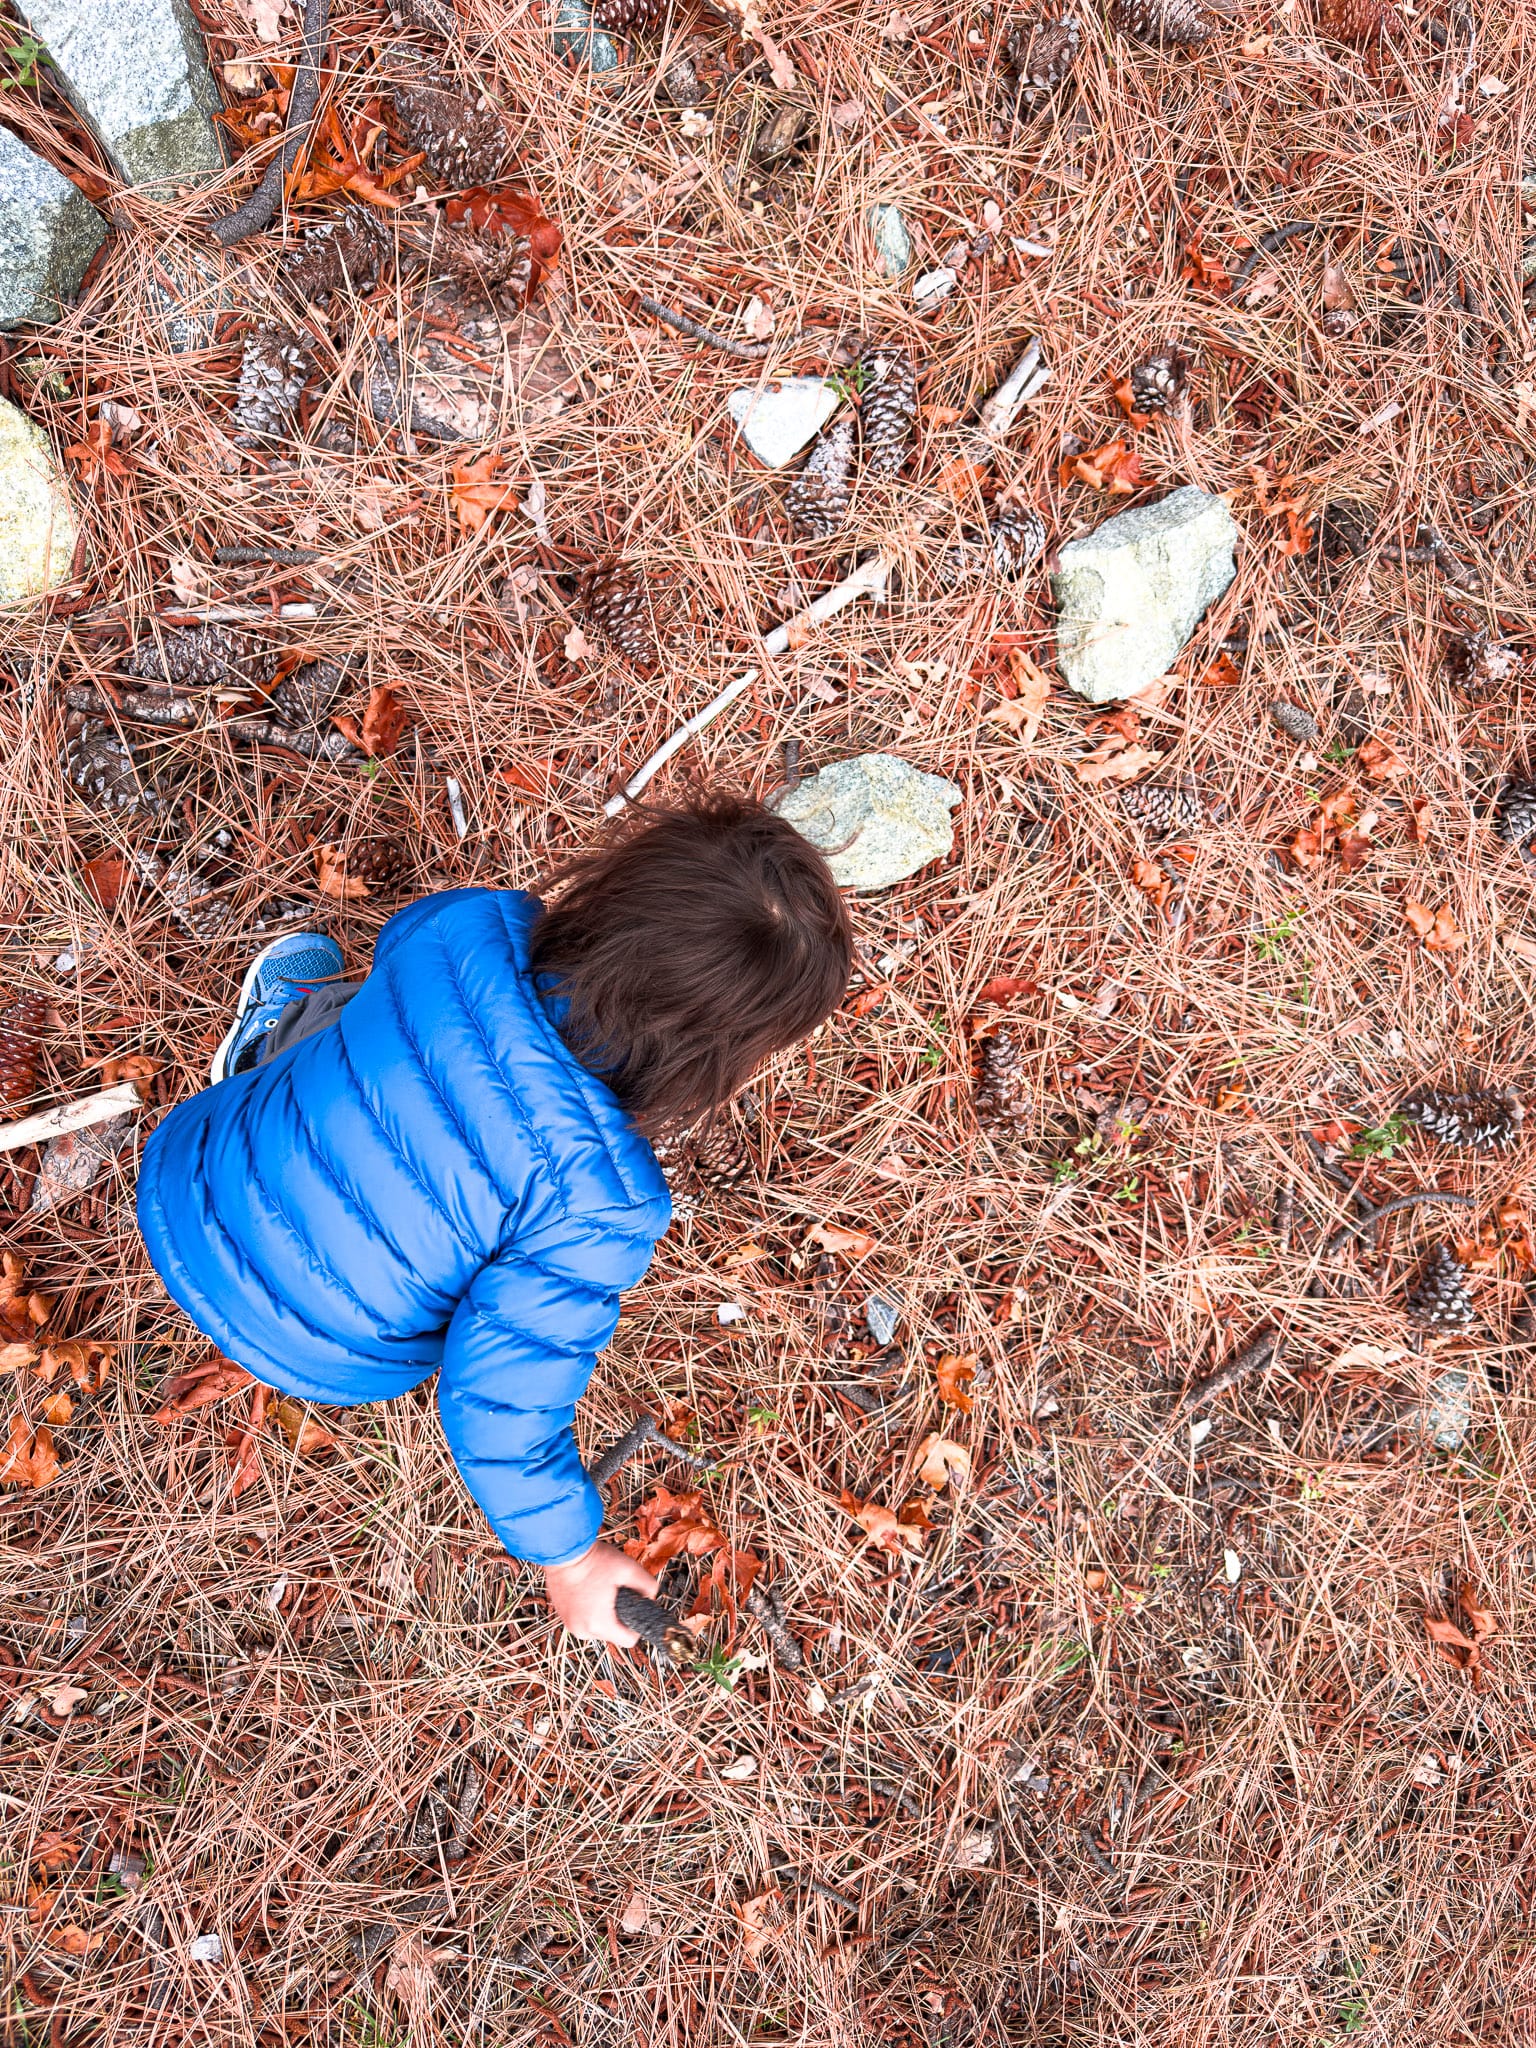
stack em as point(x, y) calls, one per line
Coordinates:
point(71, 1116)
point(763, 1602)
point(254, 213)
point(1372, 1217)
point(631, 1443)
point(744, 351)
point(1252, 1358)
point(869, 579)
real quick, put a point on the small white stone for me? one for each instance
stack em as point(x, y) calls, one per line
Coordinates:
point(205, 1948)
point(1198, 1432)
point(1234, 1566)
point(776, 421)
point(729, 1312)
point(934, 286)
point(977, 1847)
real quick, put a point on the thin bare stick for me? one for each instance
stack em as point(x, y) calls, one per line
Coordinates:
point(70, 1116)
point(1252, 1358)
point(763, 1602)
point(1399, 1202)
point(744, 351)
point(254, 213)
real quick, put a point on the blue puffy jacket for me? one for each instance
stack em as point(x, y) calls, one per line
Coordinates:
point(435, 1183)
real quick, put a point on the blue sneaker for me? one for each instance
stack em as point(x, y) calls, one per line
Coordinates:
point(279, 975)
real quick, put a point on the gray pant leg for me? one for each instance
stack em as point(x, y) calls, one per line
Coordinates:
point(311, 1013)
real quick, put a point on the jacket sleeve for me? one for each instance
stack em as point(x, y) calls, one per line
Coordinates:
point(519, 1352)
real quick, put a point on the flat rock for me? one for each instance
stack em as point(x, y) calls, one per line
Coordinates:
point(1129, 595)
point(876, 818)
point(138, 72)
point(776, 420)
point(49, 231)
point(893, 242)
point(38, 527)
point(576, 35)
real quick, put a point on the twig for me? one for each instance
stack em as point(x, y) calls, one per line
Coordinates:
point(1398, 1202)
point(286, 558)
point(253, 215)
point(71, 1116)
point(744, 351)
point(1252, 1358)
point(654, 1624)
point(1267, 245)
point(471, 1792)
point(1285, 1215)
point(149, 707)
point(764, 1604)
point(267, 732)
point(631, 1443)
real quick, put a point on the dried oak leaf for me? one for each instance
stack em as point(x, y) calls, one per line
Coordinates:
point(673, 1525)
point(1380, 762)
point(475, 495)
point(383, 722)
point(1437, 928)
point(942, 1462)
point(1115, 467)
point(762, 1923)
point(954, 1373)
point(858, 1244)
point(332, 878)
point(1116, 762)
point(307, 1436)
point(209, 1380)
point(1004, 987)
point(882, 1529)
point(1152, 882)
point(1022, 712)
point(412, 1973)
point(88, 1362)
point(27, 1457)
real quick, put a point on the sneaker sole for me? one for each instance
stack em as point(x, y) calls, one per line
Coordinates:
point(217, 1067)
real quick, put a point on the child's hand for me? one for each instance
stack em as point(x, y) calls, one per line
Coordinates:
point(582, 1593)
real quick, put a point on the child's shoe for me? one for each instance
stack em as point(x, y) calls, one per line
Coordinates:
point(280, 974)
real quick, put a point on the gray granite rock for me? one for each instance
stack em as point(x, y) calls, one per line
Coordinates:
point(1446, 1416)
point(37, 519)
point(893, 242)
point(577, 36)
point(49, 231)
point(876, 818)
point(1129, 595)
point(138, 72)
point(776, 420)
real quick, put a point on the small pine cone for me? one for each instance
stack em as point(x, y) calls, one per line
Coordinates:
point(375, 862)
point(962, 562)
point(1162, 807)
point(817, 499)
point(274, 371)
point(1515, 814)
point(620, 16)
point(681, 83)
point(1481, 1119)
point(100, 768)
point(1040, 54)
point(1295, 722)
point(1018, 538)
point(1160, 382)
point(1440, 1296)
point(437, 18)
point(21, 1024)
point(621, 608)
point(464, 142)
point(1357, 21)
point(887, 409)
point(337, 256)
point(1001, 1103)
point(712, 1154)
point(202, 658)
point(303, 698)
point(1166, 23)
point(1476, 663)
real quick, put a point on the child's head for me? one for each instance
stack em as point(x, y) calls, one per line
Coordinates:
point(690, 946)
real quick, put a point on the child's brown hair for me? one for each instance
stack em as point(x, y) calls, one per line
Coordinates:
point(694, 942)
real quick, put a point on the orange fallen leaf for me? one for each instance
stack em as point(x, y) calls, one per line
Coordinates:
point(1115, 467)
point(762, 1922)
point(74, 1941)
point(54, 1849)
point(57, 1408)
point(89, 1364)
point(96, 455)
point(1231, 1095)
point(882, 1529)
point(673, 1525)
point(1023, 712)
point(1004, 987)
point(209, 1380)
point(1437, 928)
point(1152, 882)
point(16, 1357)
point(27, 1457)
point(474, 494)
point(1221, 673)
point(942, 1462)
point(307, 1436)
point(1421, 815)
point(1114, 762)
point(383, 722)
point(332, 879)
point(1355, 849)
point(954, 1373)
point(858, 1244)
point(62, 1700)
point(1125, 398)
point(1380, 762)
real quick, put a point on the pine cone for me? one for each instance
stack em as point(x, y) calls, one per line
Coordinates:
point(1440, 1296)
point(1295, 722)
point(303, 698)
point(1160, 382)
point(1477, 663)
point(681, 84)
point(337, 256)
point(1482, 1119)
point(887, 409)
point(1166, 23)
point(470, 271)
point(202, 658)
point(1357, 21)
point(21, 1023)
point(620, 16)
point(961, 562)
point(274, 371)
point(101, 769)
point(712, 1154)
point(1001, 1104)
point(1018, 538)
point(1515, 814)
point(463, 143)
point(621, 608)
point(434, 16)
point(817, 499)
point(1163, 807)
point(1040, 54)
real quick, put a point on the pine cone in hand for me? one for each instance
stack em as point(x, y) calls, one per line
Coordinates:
point(1040, 54)
point(621, 608)
point(1168, 23)
point(274, 370)
point(21, 1024)
point(1001, 1103)
point(464, 142)
point(1440, 1296)
point(887, 409)
point(1482, 1119)
point(817, 499)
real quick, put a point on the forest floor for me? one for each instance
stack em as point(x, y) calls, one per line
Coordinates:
point(1126, 1715)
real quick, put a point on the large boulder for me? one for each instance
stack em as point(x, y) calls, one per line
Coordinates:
point(876, 818)
point(1130, 594)
point(37, 520)
point(49, 231)
point(138, 72)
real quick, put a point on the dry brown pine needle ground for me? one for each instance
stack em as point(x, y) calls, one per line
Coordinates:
point(1145, 1737)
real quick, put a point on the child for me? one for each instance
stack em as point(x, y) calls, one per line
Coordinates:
point(444, 1169)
